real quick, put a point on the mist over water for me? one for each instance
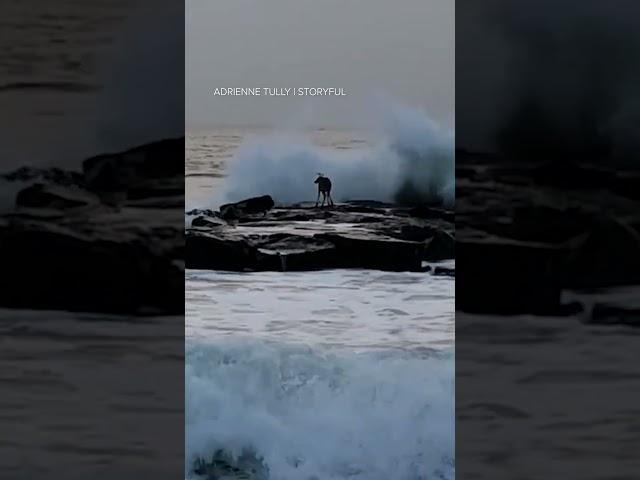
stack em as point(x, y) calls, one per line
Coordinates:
point(410, 160)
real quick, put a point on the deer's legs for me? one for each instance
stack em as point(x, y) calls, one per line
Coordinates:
point(324, 199)
point(330, 199)
point(318, 199)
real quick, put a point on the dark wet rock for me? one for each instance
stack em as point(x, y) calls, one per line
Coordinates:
point(53, 196)
point(250, 206)
point(417, 233)
point(570, 309)
point(427, 212)
point(627, 184)
point(526, 231)
point(440, 247)
point(205, 212)
point(293, 217)
point(301, 237)
point(617, 305)
point(370, 204)
point(561, 224)
point(377, 252)
point(53, 175)
point(295, 253)
point(444, 271)
point(51, 267)
point(206, 251)
point(65, 248)
point(605, 314)
point(507, 276)
point(169, 187)
point(222, 465)
point(570, 174)
point(207, 221)
point(361, 209)
point(137, 169)
point(609, 254)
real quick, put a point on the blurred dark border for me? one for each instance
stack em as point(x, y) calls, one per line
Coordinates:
point(548, 239)
point(92, 239)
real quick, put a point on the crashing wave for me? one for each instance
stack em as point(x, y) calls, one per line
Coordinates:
point(412, 161)
point(270, 411)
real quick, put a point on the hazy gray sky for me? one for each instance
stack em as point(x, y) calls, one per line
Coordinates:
point(404, 49)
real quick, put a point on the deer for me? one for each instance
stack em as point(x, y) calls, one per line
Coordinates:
point(324, 188)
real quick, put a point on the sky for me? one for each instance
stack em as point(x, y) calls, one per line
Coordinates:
point(404, 50)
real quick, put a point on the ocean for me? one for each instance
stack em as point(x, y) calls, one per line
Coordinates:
point(334, 374)
point(68, 410)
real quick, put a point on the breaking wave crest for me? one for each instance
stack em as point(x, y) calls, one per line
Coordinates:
point(277, 412)
point(411, 161)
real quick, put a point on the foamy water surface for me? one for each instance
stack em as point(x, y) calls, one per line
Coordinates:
point(332, 374)
point(344, 374)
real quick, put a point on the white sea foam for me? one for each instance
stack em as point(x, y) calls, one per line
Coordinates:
point(318, 414)
point(412, 160)
point(359, 309)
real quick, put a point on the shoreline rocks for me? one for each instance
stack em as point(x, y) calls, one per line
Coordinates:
point(300, 237)
point(528, 231)
point(110, 239)
point(250, 206)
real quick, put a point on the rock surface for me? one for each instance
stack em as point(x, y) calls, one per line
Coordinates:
point(250, 206)
point(526, 232)
point(138, 170)
point(65, 246)
point(222, 465)
point(40, 195)
point(301, 237)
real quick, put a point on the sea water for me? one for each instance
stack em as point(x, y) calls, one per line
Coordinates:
point(343, 374)
point(321, 375)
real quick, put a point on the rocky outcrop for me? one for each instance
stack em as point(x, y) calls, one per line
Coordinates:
point(207, 251)
point(211, 221)
point(607, 254)
point(250, 206)
point(520, 244)
point(605, 314)
point(55, 176)
point(300, 237)
point(65, 247)
point(148, 175)
point(440, 247)
point(221, 465)
point(505, 276)
point(444, 271)
point(126, 171)
point(54, 196)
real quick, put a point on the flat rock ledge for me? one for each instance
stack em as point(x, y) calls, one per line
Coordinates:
point(301, 237)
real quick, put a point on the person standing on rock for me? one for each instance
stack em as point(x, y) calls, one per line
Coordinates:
point(324, 188)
